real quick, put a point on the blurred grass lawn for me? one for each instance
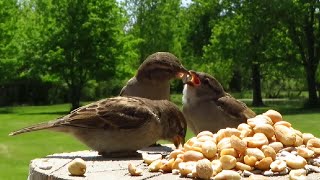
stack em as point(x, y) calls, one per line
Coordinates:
point(16, 152)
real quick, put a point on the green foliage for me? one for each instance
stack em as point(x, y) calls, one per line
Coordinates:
point(201, 17)
point(225, 49)
point(250, 33)
point(284, 73)
point(128, 60)
point(89, 49)
point(76, 41)
point(302, 21)
point(156, 24)
point(8, 48)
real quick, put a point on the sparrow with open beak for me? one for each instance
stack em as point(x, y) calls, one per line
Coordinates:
point(207, 106)
point(120, 125)
point(152, 80)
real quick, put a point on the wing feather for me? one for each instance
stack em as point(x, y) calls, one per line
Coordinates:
point(118, 112)
point(235, 108)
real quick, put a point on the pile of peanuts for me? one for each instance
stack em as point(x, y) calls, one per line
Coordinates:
point(265, 145)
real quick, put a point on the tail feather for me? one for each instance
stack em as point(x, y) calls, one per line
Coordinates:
point(249, 113)
point(36, 127)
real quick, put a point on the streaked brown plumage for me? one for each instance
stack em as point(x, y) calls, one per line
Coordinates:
point(152, 80)
point(207, 106)
point(120, 124)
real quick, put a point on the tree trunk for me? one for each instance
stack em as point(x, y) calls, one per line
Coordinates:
point(318, 86)
point(256, 83)
point(236, 81)
point(318, 92)
point(312, 87)
point(75, 95)
point(311, 61)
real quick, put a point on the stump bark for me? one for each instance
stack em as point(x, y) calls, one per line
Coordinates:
point(54, 167)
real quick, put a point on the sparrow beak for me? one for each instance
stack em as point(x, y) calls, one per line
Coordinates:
point(177, 141)
point(192, 79)
point(182, 73)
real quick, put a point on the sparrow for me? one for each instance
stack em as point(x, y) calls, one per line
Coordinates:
point(206, 106)
point(152, 79)
point(120, 125)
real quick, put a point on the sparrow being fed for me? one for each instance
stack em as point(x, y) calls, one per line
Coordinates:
point(207, 106)
point(152, 80)
point(121, 124)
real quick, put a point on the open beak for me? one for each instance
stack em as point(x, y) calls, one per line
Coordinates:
point(182, 73)
point(192, 79)
point(177, 141)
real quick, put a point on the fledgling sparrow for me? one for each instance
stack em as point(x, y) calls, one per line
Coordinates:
point(153, 77)
point(207, 106)
point(120, 124)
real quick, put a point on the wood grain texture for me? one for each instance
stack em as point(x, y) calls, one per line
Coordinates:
point(109, 168)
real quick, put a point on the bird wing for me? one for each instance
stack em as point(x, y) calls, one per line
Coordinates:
point(234, 107)
point(125, 91)
point(122, 90)
point(118, 113)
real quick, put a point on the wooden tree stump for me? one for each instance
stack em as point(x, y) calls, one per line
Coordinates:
point(54, 167)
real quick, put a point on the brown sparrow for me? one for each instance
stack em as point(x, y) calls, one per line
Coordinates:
point(121, 124)
point(152, 80)
point(207, 106)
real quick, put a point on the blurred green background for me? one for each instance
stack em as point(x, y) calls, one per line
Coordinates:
point(56, 54)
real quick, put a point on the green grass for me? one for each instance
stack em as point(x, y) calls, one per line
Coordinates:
point(16, 152)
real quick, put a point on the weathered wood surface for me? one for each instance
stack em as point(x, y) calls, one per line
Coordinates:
point(54, 167)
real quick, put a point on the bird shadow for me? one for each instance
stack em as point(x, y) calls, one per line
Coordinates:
point(95, 158)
